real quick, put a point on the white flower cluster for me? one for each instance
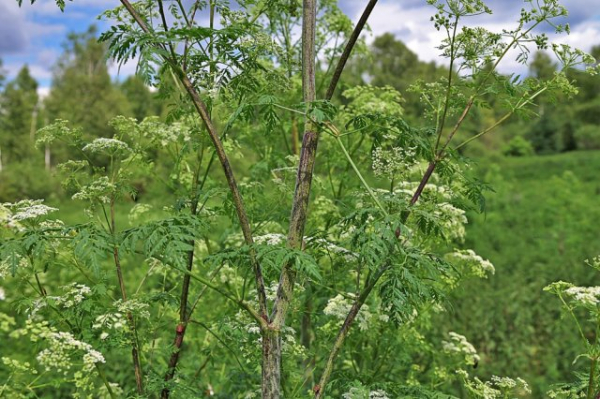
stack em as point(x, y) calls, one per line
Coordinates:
point(5, 266)
point(62, 348)
point(584, 295)
point(270, 239)
point(458, 344)
point(497, 387)
point(112, 321)
point(117, 320)
point(133, 306)
point(229, 275)
point(453, 220)
point(408, 188)
point(339, 306)
point(32, 212)
point(507, 383)
point(2, 294)
point(478, 266)
point(165, 134)
point(98, 190)
point(137, 213)
point(58, 357)
point(12, 214)
point(108, 146)
point(393, 161)
point(76, 294)
point(73, 295)
point(358, 393)
point(271, 290)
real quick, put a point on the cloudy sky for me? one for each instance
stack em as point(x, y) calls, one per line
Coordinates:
point(33, 35)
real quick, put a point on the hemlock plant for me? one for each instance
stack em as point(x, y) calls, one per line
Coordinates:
point(251, 285)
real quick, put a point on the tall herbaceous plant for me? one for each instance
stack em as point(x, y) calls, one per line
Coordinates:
point(301, 213)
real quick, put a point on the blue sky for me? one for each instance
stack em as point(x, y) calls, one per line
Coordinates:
point(33, 35)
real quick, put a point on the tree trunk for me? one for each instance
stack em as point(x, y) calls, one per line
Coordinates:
point(271, 368)
point(271, 363)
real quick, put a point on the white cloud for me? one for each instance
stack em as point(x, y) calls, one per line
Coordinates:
point(43, 92)
point(125, 70)
point(37, 71)
point(411, 24)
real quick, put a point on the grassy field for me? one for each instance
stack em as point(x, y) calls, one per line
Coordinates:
point(540, 225)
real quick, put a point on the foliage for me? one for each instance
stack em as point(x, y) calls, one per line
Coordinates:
point(518, 147)
point(202, 290)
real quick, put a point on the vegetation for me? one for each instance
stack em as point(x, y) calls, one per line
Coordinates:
point(279, 232)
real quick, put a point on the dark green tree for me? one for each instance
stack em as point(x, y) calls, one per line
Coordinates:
point(82, 90)
point(142, 101)
point(542, 66)
point(19, 119)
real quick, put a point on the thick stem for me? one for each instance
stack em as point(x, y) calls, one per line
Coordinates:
point(271, 356)
point(271, 367)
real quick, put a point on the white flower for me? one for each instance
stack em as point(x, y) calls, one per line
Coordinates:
point(62, 346)
point(459, 344)
point(99, 189)
point(453, 220)
point(227, 274)
point(253, 328)
point(478, 265)
point(508, 384)
point(106, 145)
point(32, 212)
point(13, 213)
point(271, 239)
point(390, 162)
point(358, 393)
point(584, 295)
point(339, 307)
point(137, 213)
point(2, 294)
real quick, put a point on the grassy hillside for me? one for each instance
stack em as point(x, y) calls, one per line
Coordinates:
point(541, 224)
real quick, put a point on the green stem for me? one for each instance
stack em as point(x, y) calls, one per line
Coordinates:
point(591, 382)
point(243, 305)
point(221, 341)
point(105, 381)
point(362, 179)
point(503, 119)
point(344, 330)
point(441, 121)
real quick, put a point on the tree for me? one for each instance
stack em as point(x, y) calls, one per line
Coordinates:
point(19, 120)
point(143, 103)
point(369, 248)
point(82, 91)
point(542, 66)
point(390, 62)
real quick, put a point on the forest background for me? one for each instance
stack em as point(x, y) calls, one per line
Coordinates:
point(539, 224)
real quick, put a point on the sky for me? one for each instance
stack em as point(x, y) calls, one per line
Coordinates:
point(34, 34)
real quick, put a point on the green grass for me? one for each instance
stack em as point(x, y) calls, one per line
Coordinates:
point(540, 225)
